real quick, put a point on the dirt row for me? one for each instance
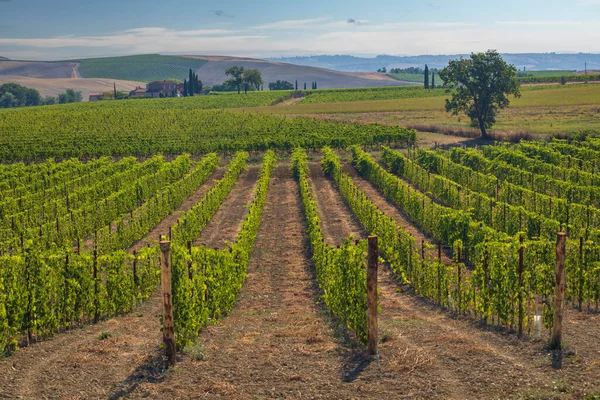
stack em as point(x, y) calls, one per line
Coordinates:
point(280, 341)
point(225, 224)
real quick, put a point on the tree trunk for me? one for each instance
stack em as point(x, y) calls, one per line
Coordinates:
point(484, 134)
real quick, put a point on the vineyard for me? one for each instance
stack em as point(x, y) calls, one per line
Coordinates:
point(84, 131)
point(467, 239)
point(142, 68)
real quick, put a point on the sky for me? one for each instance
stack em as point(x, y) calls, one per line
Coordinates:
point(63, 29)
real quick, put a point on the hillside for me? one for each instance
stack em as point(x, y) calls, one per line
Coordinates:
point(530, 61)
point(36, 69)
point(144, 68)
point(213, 72)
point(3, 59)
point(52, 87)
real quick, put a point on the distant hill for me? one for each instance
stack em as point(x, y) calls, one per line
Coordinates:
point(530, 61)
point(145, 68)
point(210, 69)
point(52, 87)
point(3, 59)
point(213, 72)
point(35, 69)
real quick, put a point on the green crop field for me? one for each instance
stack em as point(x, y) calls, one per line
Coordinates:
point(142, 68)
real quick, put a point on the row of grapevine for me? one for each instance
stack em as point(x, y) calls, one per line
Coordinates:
point(499, 215)
point(41, 209)
point(66, 192)
point(341, 272)
point(586, 161)
point(588, 156)
point(121, 129)
point(557, 208)
point(444, 223)
point(206, 281)
point(44, 292)
point(81, 223)
point(134, 226)
point(514, 156)
point(493, 290)
point(545, 184)
point(188, 227)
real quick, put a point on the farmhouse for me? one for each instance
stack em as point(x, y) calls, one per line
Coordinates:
point(95, 96)
point(139, 92)
point(166, 88)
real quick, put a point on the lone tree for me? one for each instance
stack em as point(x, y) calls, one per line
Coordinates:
point(480, 86)
point(252, 78)
point(237, 74)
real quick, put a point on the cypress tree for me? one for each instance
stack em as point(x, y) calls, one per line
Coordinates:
point(304, 85)
point(316, 85)
point(296, 84)
point(433, 79)
point(426, 77)
point(115, 87)
point(191, 84)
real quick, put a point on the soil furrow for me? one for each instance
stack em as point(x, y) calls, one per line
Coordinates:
point(273, 344)
point(163, 227)
point(393, 211)
point(225, 225)
point(337, 220)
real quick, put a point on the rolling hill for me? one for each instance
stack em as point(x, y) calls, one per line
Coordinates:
point(210, 69)
point(54, 86)
point(144, 68)
point(213, 72)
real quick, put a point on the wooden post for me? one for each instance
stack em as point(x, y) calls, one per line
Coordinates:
point(373, 260)
point(520, 297)
point(559, 291)
point(95, 275)
point(168, 327)
point(439, 275)
point(135, 277)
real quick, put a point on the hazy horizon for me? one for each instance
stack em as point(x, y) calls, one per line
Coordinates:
point(40, 30)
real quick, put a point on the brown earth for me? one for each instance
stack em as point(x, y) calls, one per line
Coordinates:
point(213, 73)
point(279, 343)
point(162, 229)
point(52, 87)
point(391, 210)
point(335, 224)
point(34, 69)
point(225, 225)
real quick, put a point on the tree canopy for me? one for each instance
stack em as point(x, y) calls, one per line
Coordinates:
point(480, 86)
point(282, 85)
point(252, 79)
point(237, 74)
point(15, 95)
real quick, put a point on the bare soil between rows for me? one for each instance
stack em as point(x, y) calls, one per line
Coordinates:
point(280, 341)
point(225, 225)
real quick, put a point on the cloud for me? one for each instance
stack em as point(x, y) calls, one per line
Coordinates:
point(588, 2)
point(355, 22)
point(292, 24)
point(343, 38)
point(221, 13)
point(540, 23)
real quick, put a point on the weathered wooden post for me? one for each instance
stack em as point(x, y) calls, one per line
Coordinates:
point(168, 326)
point(559, 291)
point(520, 297)
point(373, 260)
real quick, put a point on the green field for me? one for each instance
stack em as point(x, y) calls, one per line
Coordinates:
point(205, 102)
point(142, 68)
point(155, 127)
point(542, 110)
